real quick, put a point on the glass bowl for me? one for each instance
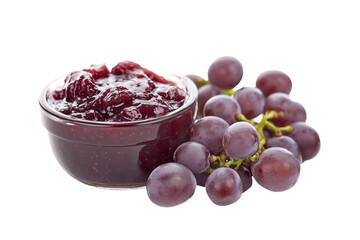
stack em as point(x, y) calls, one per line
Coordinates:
point(117, 154)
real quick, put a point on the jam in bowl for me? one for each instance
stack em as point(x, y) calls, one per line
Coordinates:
point(112, 128)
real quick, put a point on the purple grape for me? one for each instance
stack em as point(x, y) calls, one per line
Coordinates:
point(224, 186)
point(222, 106)
point(205, 93)
point(274, 81)
point(245, 176)
point(276, 170)
point(243, 171)
point(251, 101)
point(287, 143)
point(293, 111)
point(225, 72)
point(209, 132)
point(241, 140)
point(194, 156)
point(307, 139)
point(170, 184)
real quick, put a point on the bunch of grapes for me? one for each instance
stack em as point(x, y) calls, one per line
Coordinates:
point(228, 147)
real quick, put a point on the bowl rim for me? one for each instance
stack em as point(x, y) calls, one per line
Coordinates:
point(188, 85)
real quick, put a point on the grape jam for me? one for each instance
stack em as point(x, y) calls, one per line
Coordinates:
point(128, 93)
point(112, 128)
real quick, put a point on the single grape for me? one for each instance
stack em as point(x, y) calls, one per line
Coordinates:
point(241, 140)
point(245, 176)
point(224, 186)
point(287, 143)
point(225, 72)
point(194, 156)
point(274, 81)
point(251, 101)
point(209, 132)
point(293, 111)
point(276, 170)
point(204, 94)
point(243, 171)
point(199, 81)
point(222, 106)
point(306, 138)
point(170, 184)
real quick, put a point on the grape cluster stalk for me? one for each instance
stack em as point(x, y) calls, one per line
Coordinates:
point(223, 160)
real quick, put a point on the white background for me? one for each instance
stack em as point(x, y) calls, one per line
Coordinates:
point(315, 42)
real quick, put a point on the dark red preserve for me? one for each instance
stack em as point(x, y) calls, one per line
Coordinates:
point(112, 128)
point(128, 93)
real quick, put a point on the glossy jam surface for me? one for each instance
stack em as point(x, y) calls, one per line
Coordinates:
point(128, 92)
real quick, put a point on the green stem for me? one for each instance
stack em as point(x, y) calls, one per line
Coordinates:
point(228, 92)
point(229, 163)
point(287, 129)
point(210, 170)
point(262, 143)
point(214, 158)
point(277, 131)
point(273, 114)
point(202, 81)
point(240, 117)
point(221, 160)
point(260, 127)
point(238, 163)
point(274, 129)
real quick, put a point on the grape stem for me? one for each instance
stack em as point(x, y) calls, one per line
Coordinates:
point(224, 161)
point(241, 118)
point(202, 81)
point(228, 92)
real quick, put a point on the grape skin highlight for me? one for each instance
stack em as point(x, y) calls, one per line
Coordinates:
point(274, 81)
point(204, 94)
point(276, 170)
point(287, 143)
point(222, 106)
point(193, 155)
point(209, 132)
point(306, 138)
point(224, 186)
point(225, 72)
point(251, 101)
point(170, 184)
point(241, 140)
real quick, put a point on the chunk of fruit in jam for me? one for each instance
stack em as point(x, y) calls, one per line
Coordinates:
point(79, 84)
point(171, 93)
point(143, 111)
point(129, 92)
point(98, 71)
point(125, 67)
point(128, 67)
